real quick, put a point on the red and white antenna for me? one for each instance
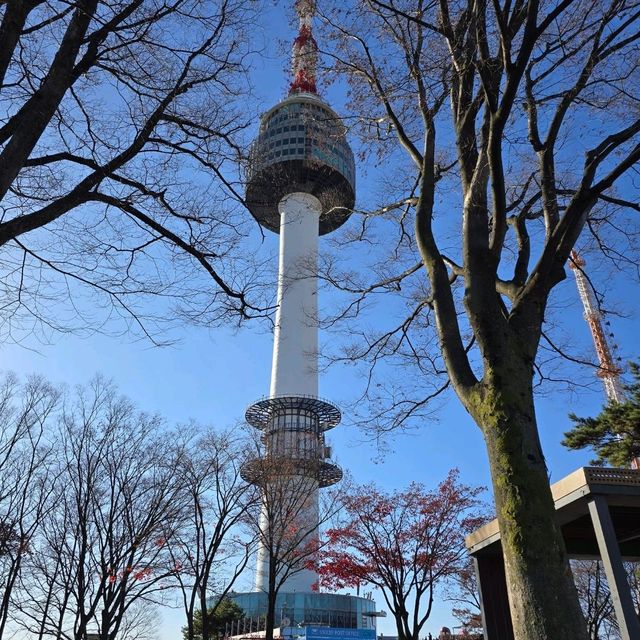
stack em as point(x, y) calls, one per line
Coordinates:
point(609, 371)
point(305, 51)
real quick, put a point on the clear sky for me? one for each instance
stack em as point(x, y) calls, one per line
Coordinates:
point(212, 375)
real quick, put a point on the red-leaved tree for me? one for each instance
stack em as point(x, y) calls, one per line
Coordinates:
point(403, 543)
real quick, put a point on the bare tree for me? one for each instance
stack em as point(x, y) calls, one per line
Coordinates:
point(463, 592)
point(212, 547)
point(102, 550)
point(119, 134)
point(110, 513)
point(141, 622)
point(595, 599)
point(518, 122)
point(27, 480)
point(291, 515)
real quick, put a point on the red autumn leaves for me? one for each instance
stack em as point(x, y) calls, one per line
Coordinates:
point(403, 543)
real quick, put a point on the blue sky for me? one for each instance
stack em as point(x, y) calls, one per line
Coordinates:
point(212, 375)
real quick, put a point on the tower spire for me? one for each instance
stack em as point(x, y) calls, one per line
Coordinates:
point(305, 51)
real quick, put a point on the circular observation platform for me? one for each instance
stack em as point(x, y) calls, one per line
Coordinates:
point(301, 147)
point(260, 471)
point(263, 413)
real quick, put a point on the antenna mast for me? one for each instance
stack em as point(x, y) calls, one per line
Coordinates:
point(305, 51)
point(609, 372)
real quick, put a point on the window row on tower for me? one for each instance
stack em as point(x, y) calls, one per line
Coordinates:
point(295, 444)
point(271, 151)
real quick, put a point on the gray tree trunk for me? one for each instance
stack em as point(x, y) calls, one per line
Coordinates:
point(542, 596)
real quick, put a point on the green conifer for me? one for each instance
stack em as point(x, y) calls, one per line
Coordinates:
point(614, 434)
point(219, 617)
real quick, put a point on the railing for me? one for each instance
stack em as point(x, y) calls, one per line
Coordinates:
point(607, 475)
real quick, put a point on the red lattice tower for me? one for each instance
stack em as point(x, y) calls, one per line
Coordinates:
point(305, 51)
point(609, 372)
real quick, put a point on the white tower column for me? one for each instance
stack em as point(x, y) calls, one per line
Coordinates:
point(294, 369)
point(294, 461)
point(295, 373)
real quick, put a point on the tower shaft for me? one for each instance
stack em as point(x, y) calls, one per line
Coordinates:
point(294, 369)
point(294, 373)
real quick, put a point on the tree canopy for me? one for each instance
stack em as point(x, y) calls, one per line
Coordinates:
point(97, 513)
point(404, 543)
point(120, 127)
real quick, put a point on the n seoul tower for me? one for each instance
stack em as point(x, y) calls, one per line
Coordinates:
point(301, 184)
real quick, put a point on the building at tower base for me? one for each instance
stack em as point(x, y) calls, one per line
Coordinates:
point(297, 611)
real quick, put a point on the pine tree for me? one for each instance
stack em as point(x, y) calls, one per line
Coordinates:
point(614, 434)
point(219, 617)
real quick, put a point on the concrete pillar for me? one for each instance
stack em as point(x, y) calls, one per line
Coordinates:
point(295, 342)
point(614, 570)
point(294, 372)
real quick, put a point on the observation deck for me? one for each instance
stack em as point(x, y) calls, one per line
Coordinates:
point(301, 147)
point(273, 412)
point(293, 435)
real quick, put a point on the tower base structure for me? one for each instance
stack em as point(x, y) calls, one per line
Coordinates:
point(301, 614)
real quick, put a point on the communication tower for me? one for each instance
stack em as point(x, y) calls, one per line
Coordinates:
point(609, 372)
point(300, 185)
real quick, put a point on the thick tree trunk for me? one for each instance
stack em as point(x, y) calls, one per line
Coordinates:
point(401, 617)
point(542, 596)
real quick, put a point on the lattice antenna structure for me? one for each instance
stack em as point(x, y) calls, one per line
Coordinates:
point(609, 372)
point(305, 51)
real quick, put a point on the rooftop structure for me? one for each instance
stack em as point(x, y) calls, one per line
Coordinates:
point(598, 510)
